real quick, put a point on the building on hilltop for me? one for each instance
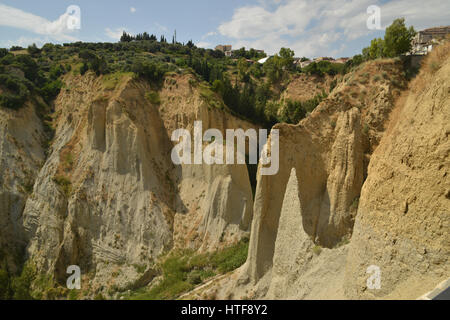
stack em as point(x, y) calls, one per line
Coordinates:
point(324, 59)
point(227, 49)
point(424, 40)
point(304, 64)
point(342, 60)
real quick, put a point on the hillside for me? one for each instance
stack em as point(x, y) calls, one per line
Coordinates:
point(88, 178)
point(365, 182)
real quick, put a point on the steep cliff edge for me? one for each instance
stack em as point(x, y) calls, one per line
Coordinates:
point(108, 197)
point(329, 151)
point(363, 182)
point(22, 153)
point(403, 219)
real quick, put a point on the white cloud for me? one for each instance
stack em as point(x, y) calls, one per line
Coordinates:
point(116, 33)
point(132, 9)
point(161, 27)
point(16, 18)
point(209, 34)
point(25, 42)
point(203, 44)
point(319, 27)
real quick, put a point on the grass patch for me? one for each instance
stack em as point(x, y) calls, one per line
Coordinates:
point(317, 250)
point(64, 183)
point(153, 97)
point(111, 81)
point(68, 161)
point(182, 271)
point(366, 129)
point(210, 97)
point(140, 268)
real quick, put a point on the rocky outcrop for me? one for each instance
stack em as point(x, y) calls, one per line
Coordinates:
point(305, 243)
point(215, 202)
point(22, 153)
point(403, 219)
point(108, 197)
point(329, 151)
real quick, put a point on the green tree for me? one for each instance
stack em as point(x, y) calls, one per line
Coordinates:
point(397, 39)
point(33, 49)
point(3, 52)
point(376, 49)
point(274, 69)
point(287, 56)
point(243, 70)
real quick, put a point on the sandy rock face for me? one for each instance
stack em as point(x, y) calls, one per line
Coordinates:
point(101, 198)
point(305, 216)
point(215, 201)
point(22, 154)
point(109, 197)
point(329, 152)
point(403, 220)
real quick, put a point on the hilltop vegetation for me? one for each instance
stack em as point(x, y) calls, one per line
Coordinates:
point(251, 90)
point(245, 86)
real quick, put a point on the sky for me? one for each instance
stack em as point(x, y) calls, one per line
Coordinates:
point(312, 28)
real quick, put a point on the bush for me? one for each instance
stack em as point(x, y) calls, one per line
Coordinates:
point(3, 52)
point(295, 111)
point(64, 183)
point(153, 97)
point(17, 92)
point(150, 70)
point(325, 67)
point(183, 270)
point(28, 66)
point(51, 90)
point(22, 284)
point(231, 258)
point(33, 49)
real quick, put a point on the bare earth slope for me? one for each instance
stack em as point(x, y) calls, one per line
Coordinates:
point(363, 181)
point(109, 198)
point(403, 219)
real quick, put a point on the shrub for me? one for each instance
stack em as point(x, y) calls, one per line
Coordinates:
point(366, 129)
point(15, 48)
point(17, 91)
point(149, 70)
point(325, 67)
point(22, 284)
point(153, 97)
point(317, 250)
point(183, 270)
point(295, 111)
point(51, 90)
point(3, 52)
point(231, 258)
point(64, 183)
point(33, 49)
point(333, 85)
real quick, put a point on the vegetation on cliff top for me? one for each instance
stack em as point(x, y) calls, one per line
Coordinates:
point(251, 90)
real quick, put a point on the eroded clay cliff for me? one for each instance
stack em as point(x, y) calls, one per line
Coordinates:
point(108, 197)
point(363, 182)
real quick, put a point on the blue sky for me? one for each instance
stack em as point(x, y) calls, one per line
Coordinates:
point(310, 27)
